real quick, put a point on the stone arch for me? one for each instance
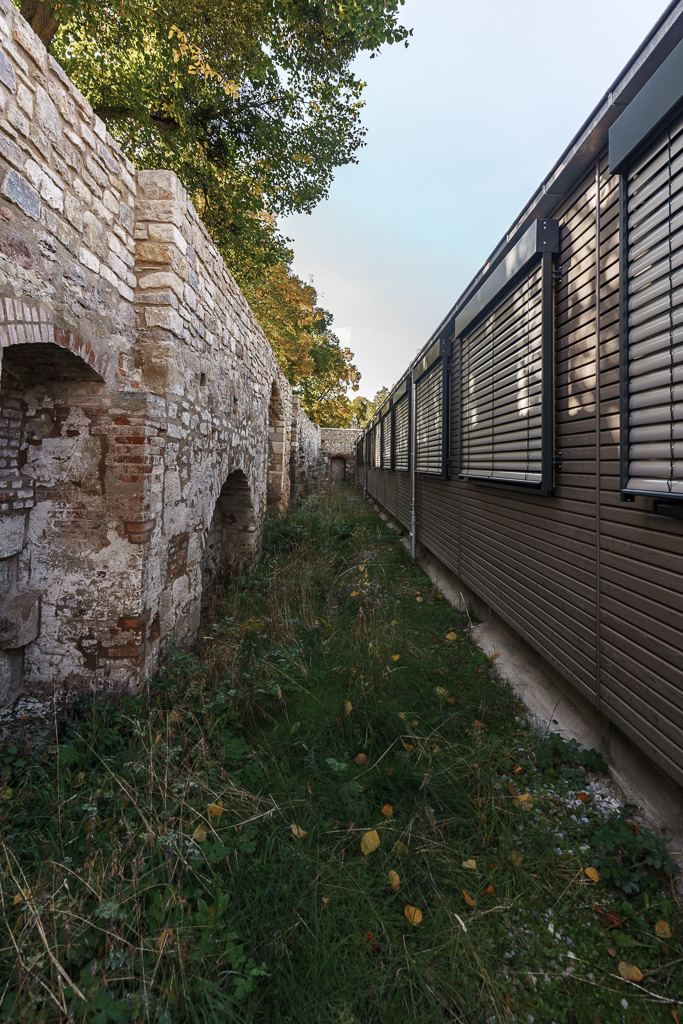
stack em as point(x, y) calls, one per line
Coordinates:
point(276, 494)
point(230, 539)
point(68, 573)
point(337, 468)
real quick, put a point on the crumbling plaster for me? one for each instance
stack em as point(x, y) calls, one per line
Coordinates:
point(139, 447)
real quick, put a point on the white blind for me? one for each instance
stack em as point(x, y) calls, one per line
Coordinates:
point(429, 421)
point(401, 440)
point(502, 388)
point(655, 316)
point(386, 441)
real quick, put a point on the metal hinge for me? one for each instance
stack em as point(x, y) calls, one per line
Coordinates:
point(558, 274)
point(558, 459)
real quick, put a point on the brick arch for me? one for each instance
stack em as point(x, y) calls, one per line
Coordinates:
point(229, 542)
point(67, 493)
point(24, 324)
point(276, 486)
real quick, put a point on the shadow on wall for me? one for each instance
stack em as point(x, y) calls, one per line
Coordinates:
point(229, 543)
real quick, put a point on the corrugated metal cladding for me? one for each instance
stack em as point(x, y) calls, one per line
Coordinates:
point(429, 421)
point(655, 316)
point(386, 440)
point(501, 387)
point(591, 582)
point(402, 434)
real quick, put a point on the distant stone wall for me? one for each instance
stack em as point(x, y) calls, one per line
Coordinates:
point(145, 423)
point(338, 443)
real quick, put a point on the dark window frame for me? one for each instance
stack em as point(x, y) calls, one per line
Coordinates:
point(441, 361)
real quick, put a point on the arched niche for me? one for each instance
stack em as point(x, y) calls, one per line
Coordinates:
point(229, 542)
point(275, 486)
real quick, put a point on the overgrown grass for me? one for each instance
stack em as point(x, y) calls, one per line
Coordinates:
point(195, 854)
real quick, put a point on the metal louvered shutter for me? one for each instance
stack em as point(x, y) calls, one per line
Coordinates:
point(502, 368)
point(429, 421)
point(376, 447)
point(386, 441)
point(401, 435)
point(655, 316)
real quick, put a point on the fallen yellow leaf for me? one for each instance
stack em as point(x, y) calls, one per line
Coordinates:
point(348, 707)
point(470, 864)
point(593, 874)
point(199, 834)
point(479, 725)
point(369, 842)
point(6, 793)
point(516, 858)
point(525, 801)
point(21, 897)
point(298, 833)
point(395, 657)
point(394, 622)
point(395, 881)
point(441, 691)
point(413, 914)
point(494, 656)
point(215, 810)
point(325, 902)
point(489, 889)
point(451, 635)
point(309, 787)
point(468, 899)
point(663, 929)
point(165, 939)
point(409, 747)
point(583, 797)
point(629, 971)
point(419, 601)
point(388, 811)
point(401, 849)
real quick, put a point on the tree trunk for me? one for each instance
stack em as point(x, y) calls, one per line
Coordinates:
point(41, 17)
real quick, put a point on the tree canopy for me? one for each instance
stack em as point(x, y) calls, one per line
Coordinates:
point(253, 104)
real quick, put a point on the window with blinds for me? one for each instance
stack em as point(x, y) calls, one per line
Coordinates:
point(402, 435)
point(429, 421)
point(386, 441)
point(654, 254)
point(376, 446)
point(502, 370)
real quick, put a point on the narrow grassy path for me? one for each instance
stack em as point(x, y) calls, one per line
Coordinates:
point(330, 812)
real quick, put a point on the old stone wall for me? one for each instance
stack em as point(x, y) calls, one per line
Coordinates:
point(144, 421)
point(337, 444)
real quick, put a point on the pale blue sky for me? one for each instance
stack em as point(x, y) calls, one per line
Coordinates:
point(462, 127)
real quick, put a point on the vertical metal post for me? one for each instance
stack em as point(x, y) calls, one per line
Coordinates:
point(598, 425)
point(413, 459)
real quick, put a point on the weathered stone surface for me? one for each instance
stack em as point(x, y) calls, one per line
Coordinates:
point(19, 619)
point(7, 76)
point(144, 421)
point(17, 190)
point(12, 534)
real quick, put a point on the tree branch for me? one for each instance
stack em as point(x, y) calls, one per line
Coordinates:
point(41, 17)
point(164, 126)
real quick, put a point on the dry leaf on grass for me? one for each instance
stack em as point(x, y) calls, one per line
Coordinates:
point(401, 849)
point(413, 914)
point(309, 788)
point(199, 834)
point(489, 889)
point(583, 797)
point(663, 929)
point(409, 747)
point(395, 881)
point(612, 952)
point(165, 939)
point(348, 707)
point(451, 635)
point(468, 899)
point(21, 897)
point(470, 864)
point(369, 842)
point(325, 902)
point(494, 656)
point(215, 810)
point(674, 1014)
point(395, 657)
point(593, 874)
point(361, 760)
point(388, 811)
point(516, 858)
point(629, 971)
point(298, 833)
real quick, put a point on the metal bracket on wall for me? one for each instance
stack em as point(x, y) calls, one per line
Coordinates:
point(558, 460)
point(558, 274)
